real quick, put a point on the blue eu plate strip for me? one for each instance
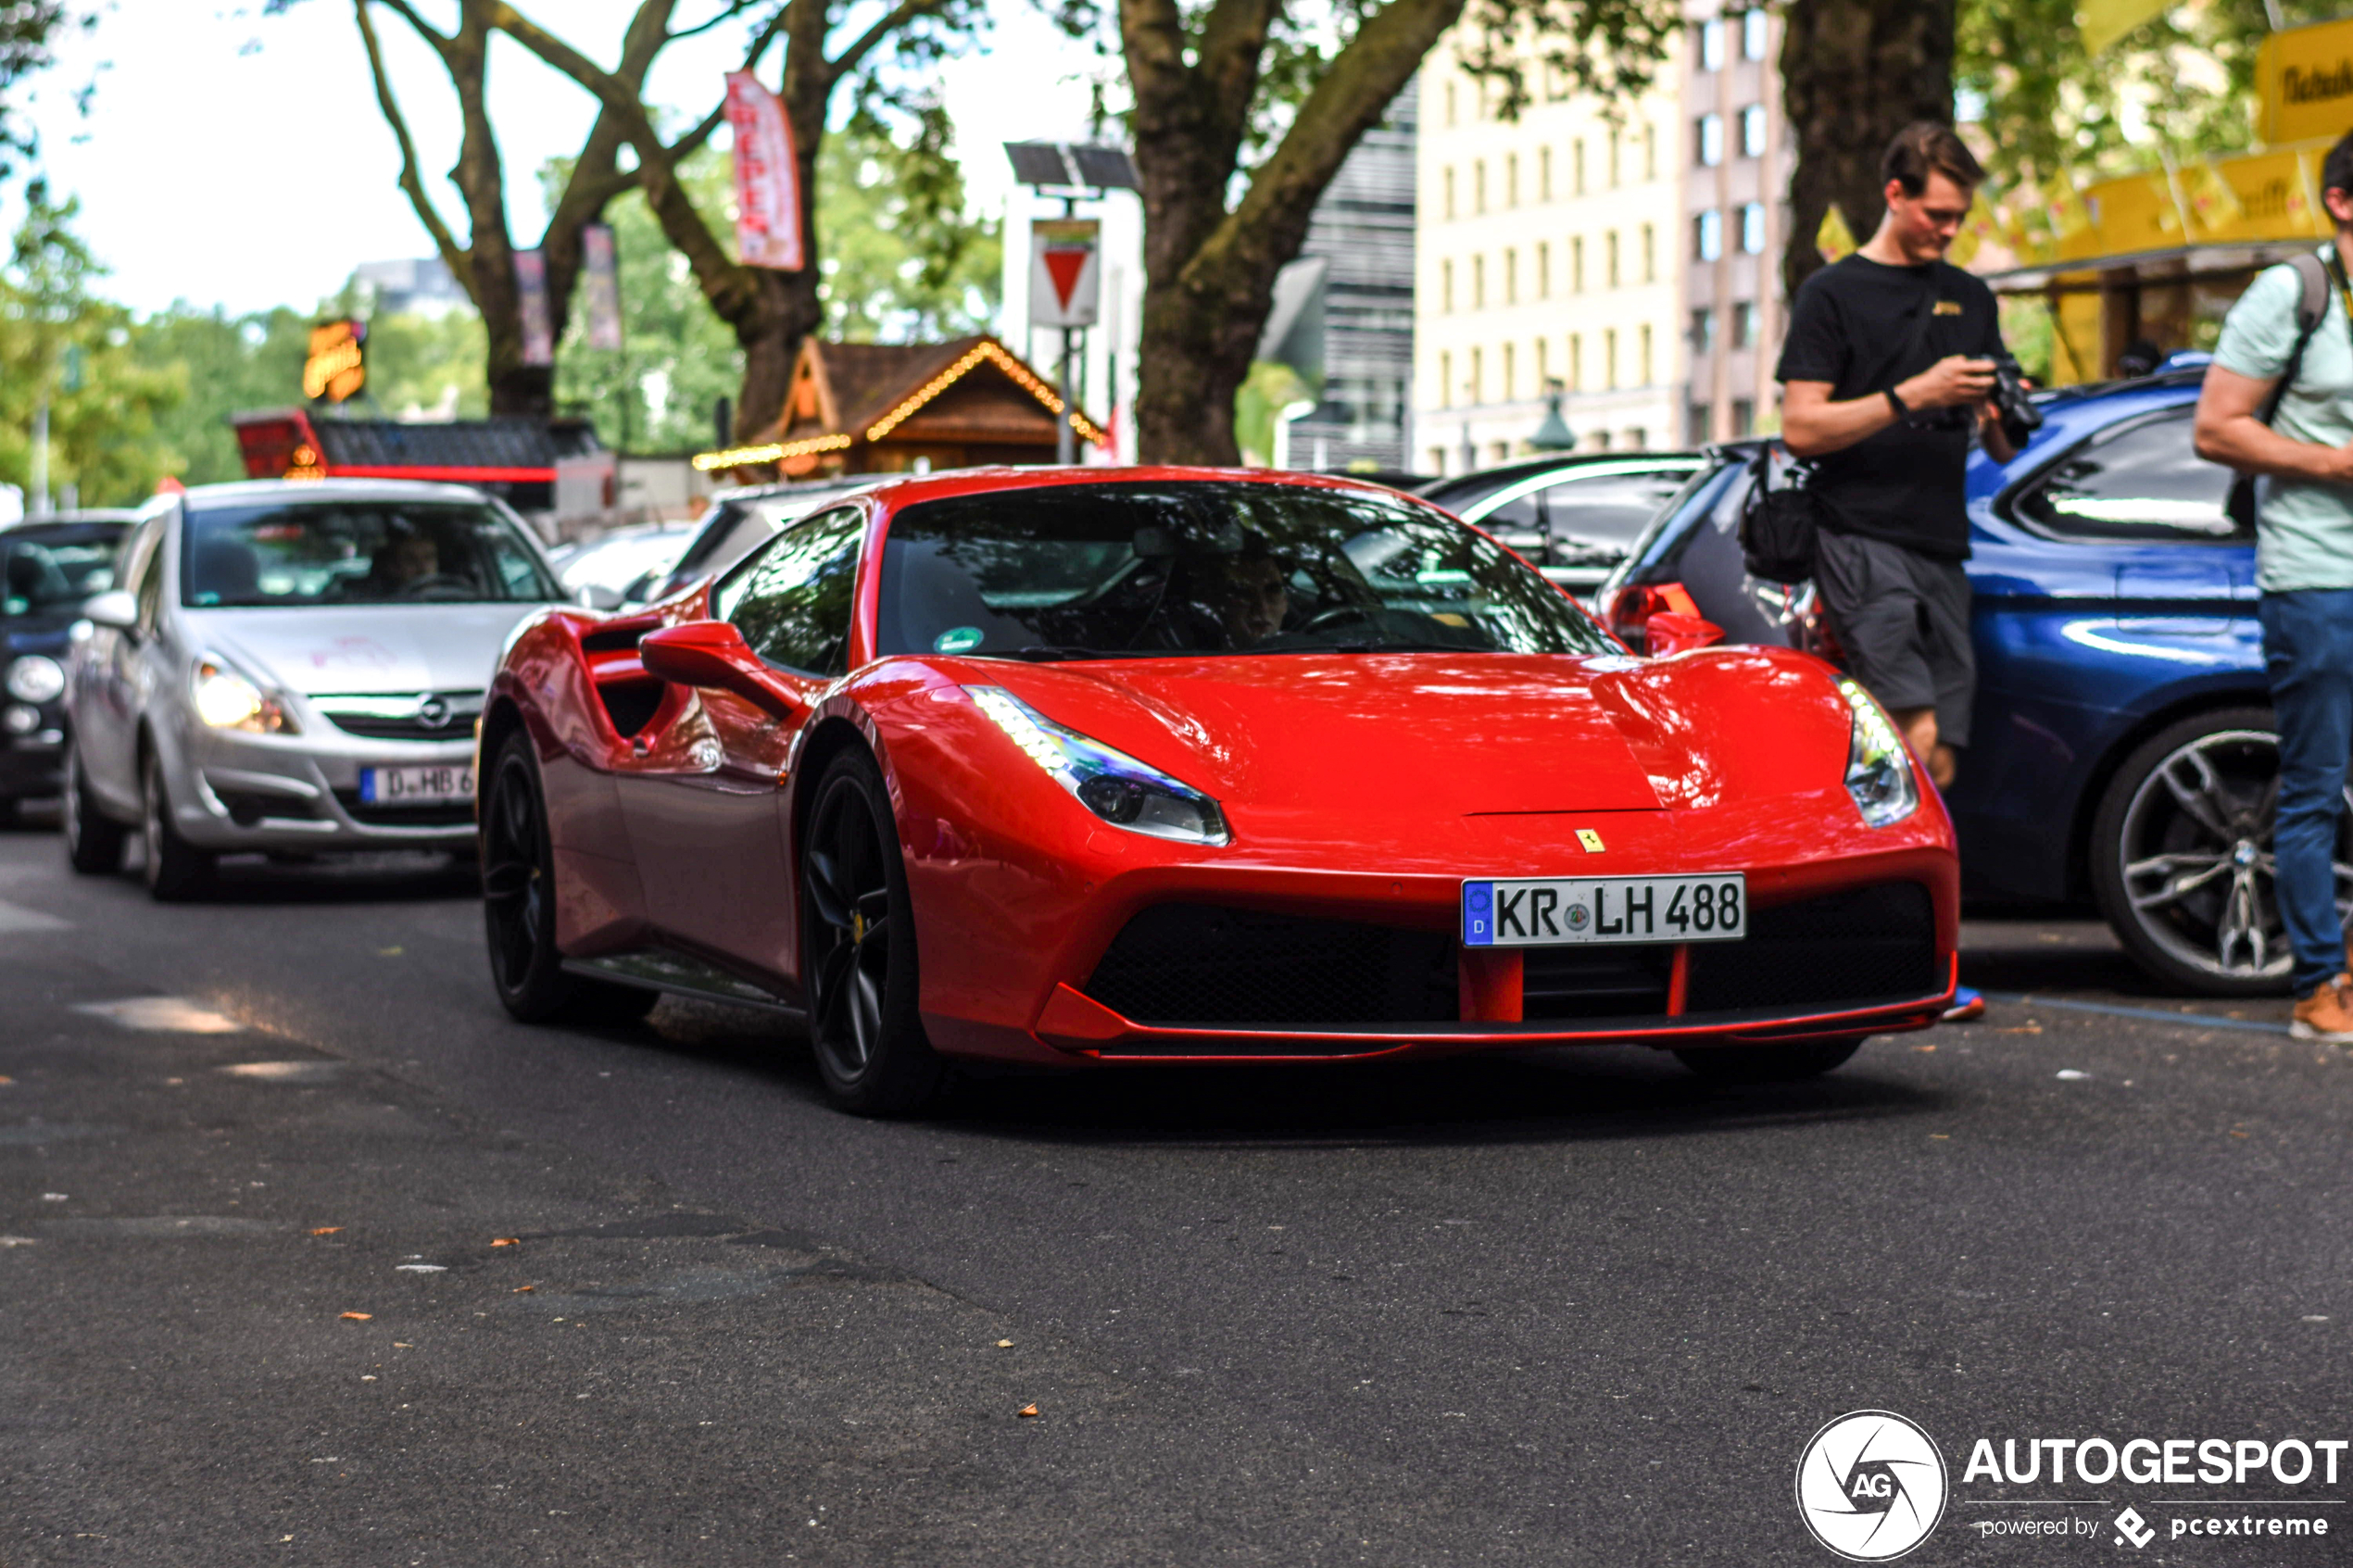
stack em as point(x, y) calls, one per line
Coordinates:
point(1478, 905)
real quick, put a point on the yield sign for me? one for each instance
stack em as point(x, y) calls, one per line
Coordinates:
point(1064, 271)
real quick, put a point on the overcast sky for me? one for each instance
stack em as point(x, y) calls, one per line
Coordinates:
point(236, 159)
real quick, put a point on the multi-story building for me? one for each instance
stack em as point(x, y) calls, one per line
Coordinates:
point(1735, 217)
point(1547, 257)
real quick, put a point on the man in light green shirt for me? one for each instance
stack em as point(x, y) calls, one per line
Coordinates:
point(2304, 565)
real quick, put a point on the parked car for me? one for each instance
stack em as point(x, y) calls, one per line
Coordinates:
point(2122, 749)
point(1073, 766)
point(1574, 517)
point(743, 519)
point(621, 567)
point(291, 666)
point(49, 565)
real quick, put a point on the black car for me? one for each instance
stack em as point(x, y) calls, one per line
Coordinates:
point(1574, 517)
point(49, 565)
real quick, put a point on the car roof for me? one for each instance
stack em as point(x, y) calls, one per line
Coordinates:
point(249, 492)
point(1501, 474)
point(906, 490)
point(123, 516)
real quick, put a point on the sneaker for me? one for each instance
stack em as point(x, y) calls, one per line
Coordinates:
point(2323, 1016)
point(1967, 1005)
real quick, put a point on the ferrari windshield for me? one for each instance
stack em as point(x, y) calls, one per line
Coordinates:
point(333, 552)
point(1207, 567)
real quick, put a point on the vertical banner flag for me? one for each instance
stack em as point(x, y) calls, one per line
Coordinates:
point(767, 177)
point(531, 292)
point(604, 285)
point(1066, 272)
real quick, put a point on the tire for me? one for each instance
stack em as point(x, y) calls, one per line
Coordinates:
point(518, 906)
point(2180, 856)
point(93, 840)
point(858, 948)
point(1768, 1064)
point(176, 870)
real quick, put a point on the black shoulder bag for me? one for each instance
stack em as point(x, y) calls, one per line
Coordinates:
point(1778, 527)
point(2311, 306)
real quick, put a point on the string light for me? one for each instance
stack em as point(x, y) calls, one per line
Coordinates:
point(745, 457)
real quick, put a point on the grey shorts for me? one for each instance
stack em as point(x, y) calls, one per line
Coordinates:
point(1903, 619)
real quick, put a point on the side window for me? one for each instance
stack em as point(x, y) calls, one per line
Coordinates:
point(2136, 481)
point(1609, 513)
point(794, 601)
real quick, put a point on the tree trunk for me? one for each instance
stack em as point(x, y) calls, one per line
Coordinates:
point(1853, 73)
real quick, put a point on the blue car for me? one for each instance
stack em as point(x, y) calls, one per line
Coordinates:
point(2123, 752)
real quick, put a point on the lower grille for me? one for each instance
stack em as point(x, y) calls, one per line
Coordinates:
point(1593, 982)
point(432, 814)
point(1181, 964)
point(1841, 950)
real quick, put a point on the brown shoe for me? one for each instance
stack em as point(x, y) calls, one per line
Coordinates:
point(2323, 1015)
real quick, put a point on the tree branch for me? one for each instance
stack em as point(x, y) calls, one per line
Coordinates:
point(407, 13)
point(898, 17)
point(727, 13)
point(412, 180)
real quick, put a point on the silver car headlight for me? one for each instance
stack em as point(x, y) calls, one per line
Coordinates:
point(226, 698)
point(36, 678)
point(1879, 768)
point(1114, 785)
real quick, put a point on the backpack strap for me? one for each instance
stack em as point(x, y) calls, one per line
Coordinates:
point(2312, 307)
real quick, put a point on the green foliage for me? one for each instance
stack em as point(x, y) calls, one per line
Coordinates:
point(59, 341)
point(28, 29)
point(1610, 48)
point(1270, 387)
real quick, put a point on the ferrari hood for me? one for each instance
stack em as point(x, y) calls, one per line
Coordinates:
point(365, 649)
point(1469, 735)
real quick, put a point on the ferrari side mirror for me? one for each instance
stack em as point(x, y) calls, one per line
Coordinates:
point(1671, 632)
point(713, 653)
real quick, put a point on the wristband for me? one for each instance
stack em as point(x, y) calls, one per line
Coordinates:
point(1897, 404)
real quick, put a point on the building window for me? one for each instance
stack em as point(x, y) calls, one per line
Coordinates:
point(1707, 140)
point(1510, 277)
point(1751, 35)
point(1752, 228)
point(1644, 364)
point(1650, 254)
point(1744, 325)
point(1544, 368)
point(1599, 440)
point(1707, 236)
point(1449, 183)
point(1613, 139)
point(1609, 359)
point(1576, 361)
point(1703, 332)
point(1711, 45)
point(1699, 424)
point(1753, 130)
point(1576, 265)
point(1543, 270)
point(1510, 374)
point(1649, 152)
point(1446, 379)
point(1743, 416)
point(1609, 253)
point(1543, 174)
point(1438, 460)
point(1637, 438)
point(1450, 102)
point(1478, 186)
point(1510, 180)
point(1479, 283)
point(1446, 286)
point(1477, 375)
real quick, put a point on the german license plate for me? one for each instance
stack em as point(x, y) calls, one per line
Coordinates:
point(416, 786)
point(1557, 911)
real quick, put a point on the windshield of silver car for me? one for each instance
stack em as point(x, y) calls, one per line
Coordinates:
point(357, 552)
point(1124, 570)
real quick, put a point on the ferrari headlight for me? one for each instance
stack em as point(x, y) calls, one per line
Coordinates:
point(226, 700)
point(1114, 785)
point(35, 678)
point(1879, 768)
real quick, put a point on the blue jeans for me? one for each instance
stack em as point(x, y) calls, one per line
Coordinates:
point(2308, 654)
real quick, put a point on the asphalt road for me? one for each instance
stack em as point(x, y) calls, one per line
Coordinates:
point(639, 1297)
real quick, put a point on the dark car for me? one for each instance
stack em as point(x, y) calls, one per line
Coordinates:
point(49, 567)
point(2122, 749)
point(1574, 517)
point(742, 519)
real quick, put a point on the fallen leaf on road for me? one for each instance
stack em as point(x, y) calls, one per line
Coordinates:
point(1027, 1410)
point(326, 1230)
point(2022, 1029)
point(2236, 1134)
point(1004, 1344)
point(1944, 1135)
point(506, 1241)
point(2070, 1075)
point(16, 1241)
point(1923, 1047)
point(5, 1079)
point(523, 1289)
point(358, 1317)
point(383, 953)
point(421, 1268)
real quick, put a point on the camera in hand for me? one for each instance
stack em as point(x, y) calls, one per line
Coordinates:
point(2021, 419)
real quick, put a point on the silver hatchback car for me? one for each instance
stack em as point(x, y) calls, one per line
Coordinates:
point(291, 666)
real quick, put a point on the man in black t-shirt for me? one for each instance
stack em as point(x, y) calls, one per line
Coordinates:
point(1888, 364)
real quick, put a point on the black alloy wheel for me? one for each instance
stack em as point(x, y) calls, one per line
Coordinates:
point(2180, 856)
point(1768, 1064)
point(176, 870)
point(93, 840)
point(858, 948)
point(518, 906)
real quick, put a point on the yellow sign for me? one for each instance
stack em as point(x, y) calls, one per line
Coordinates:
point(337, 364)
point(2252, 198)
point(2304, 82)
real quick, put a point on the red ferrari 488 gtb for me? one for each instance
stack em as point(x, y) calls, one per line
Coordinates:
point(1077, 766)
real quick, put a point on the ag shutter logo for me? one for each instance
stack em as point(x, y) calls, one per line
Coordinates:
point(1871, 1486)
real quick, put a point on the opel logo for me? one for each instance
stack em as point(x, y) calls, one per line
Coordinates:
point(432, 712)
